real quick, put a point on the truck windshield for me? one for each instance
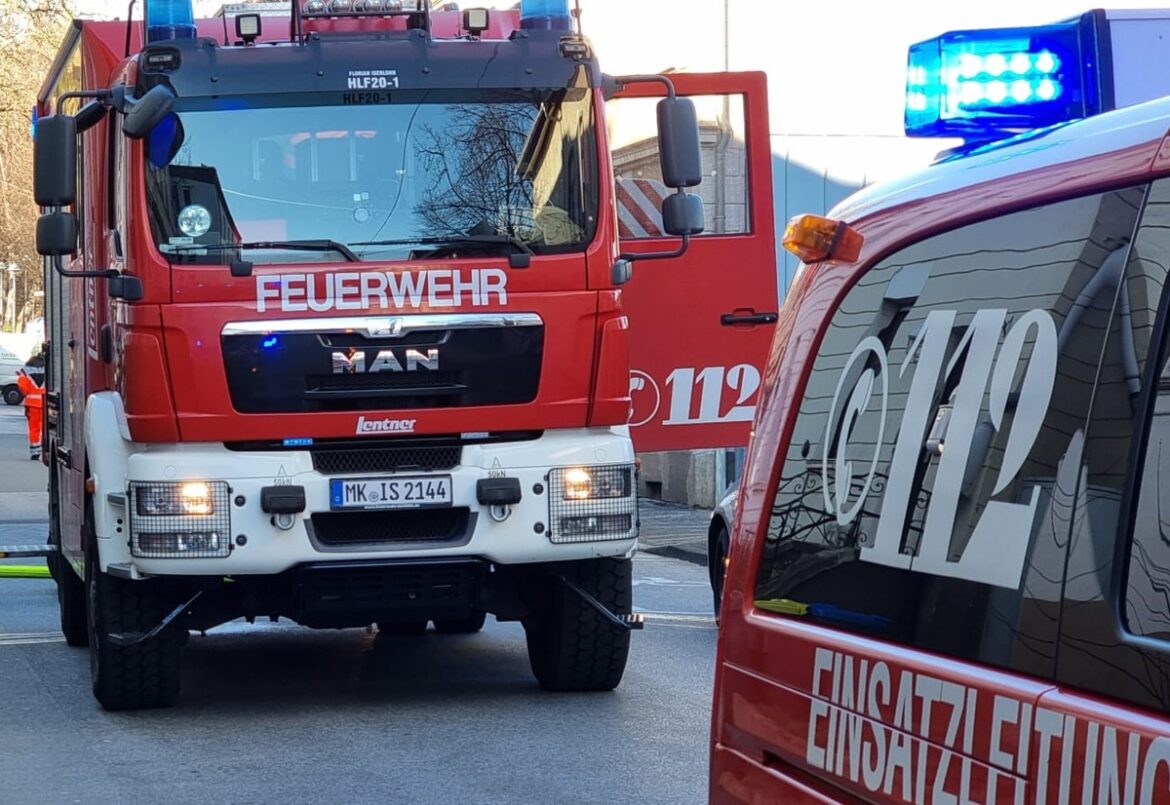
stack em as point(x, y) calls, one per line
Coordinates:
point(384, 176)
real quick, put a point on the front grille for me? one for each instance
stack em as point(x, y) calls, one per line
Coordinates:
point(389, 527)
point(382, 380)
point(386, 459)
point(294, 372)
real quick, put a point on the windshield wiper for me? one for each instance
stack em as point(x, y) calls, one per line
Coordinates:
point(515, 260)
point(302, 245)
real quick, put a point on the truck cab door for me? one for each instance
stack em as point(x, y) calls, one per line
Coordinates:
point(700, 324)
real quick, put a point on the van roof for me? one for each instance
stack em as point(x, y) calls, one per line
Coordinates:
point(1135, 131)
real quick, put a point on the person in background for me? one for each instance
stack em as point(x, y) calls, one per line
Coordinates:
point(33, 410)
point(35, 366)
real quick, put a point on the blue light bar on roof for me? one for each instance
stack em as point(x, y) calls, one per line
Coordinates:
point(550, 15)
point(169, 19)
point(984, 85)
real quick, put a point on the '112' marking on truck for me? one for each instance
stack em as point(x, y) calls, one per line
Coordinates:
point(743, 379)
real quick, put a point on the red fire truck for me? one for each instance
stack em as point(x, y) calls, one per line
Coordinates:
point(950, 574)
point(336, 327)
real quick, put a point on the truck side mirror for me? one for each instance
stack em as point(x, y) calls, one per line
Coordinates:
point(90, 115)
point(55, 161)
point(682, 214)
point(148, 111)
point(57, 234)
point(678, 143)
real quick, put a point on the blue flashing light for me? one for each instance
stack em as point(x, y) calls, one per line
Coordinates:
point(989, 84)
point(298, 441)
point(270, 342)
point(549, 15)
point(169, 19)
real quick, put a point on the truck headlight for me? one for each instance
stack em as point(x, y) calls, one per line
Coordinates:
point(590, 483)
point(165, 499)
point(179, 519)
point(591, 504)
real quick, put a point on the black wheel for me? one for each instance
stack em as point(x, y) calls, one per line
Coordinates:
point(130, 677)
point(12, 395)
point(717, 565)
point(53, 560)
point(469, 625)
point(572, 646)
point(72, 599)
point(403, 628)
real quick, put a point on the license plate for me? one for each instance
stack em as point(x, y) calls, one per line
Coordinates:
point(412, 492)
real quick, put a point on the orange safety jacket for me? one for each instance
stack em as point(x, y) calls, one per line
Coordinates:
point(33, 394)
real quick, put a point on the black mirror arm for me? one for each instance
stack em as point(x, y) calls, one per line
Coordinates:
point(89, 114)
point(102, 95)
point(104, 273)
point(679, 252)
point(618, 82)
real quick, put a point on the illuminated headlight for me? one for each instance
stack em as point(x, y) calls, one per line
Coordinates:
point(179, 519)
point(591, 483)
point(589, 504)
point(170, 500)
point(194, 220)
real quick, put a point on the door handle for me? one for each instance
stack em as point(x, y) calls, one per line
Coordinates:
point(731, 319)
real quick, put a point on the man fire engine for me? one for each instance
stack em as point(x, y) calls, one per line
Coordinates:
point(949, 576)
point(335, 332)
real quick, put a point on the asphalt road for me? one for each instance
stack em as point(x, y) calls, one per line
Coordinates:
point(278, 713)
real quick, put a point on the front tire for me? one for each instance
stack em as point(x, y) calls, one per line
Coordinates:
point(133, 677)
point(12, 395)
point(71, 596)
point(717, 565)
point(572, 646)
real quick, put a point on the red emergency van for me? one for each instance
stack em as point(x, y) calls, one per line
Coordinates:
point(950, 572)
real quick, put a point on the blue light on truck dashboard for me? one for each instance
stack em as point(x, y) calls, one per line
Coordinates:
point(985, 85)
point(169, 19)
point(552, 15)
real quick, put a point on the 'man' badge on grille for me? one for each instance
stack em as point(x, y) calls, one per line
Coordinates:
point(353, 362)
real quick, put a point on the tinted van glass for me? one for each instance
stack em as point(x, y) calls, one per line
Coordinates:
point(925, 491)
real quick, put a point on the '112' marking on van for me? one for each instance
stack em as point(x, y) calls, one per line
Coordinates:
point(985, 363)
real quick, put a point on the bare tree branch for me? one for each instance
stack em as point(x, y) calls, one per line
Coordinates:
point(31, 30)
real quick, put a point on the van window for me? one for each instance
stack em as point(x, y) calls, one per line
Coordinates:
point(924, 492)
point(1147, 591)
point(1115, 627)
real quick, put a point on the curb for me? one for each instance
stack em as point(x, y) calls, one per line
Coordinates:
point(674, 552)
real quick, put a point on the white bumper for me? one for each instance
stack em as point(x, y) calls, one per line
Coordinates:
point(266, 549)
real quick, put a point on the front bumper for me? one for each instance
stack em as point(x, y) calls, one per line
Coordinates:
point(256, 545)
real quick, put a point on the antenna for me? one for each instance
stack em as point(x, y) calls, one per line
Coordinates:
point(129, 25)
point(577, 15)
point(298, 31)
